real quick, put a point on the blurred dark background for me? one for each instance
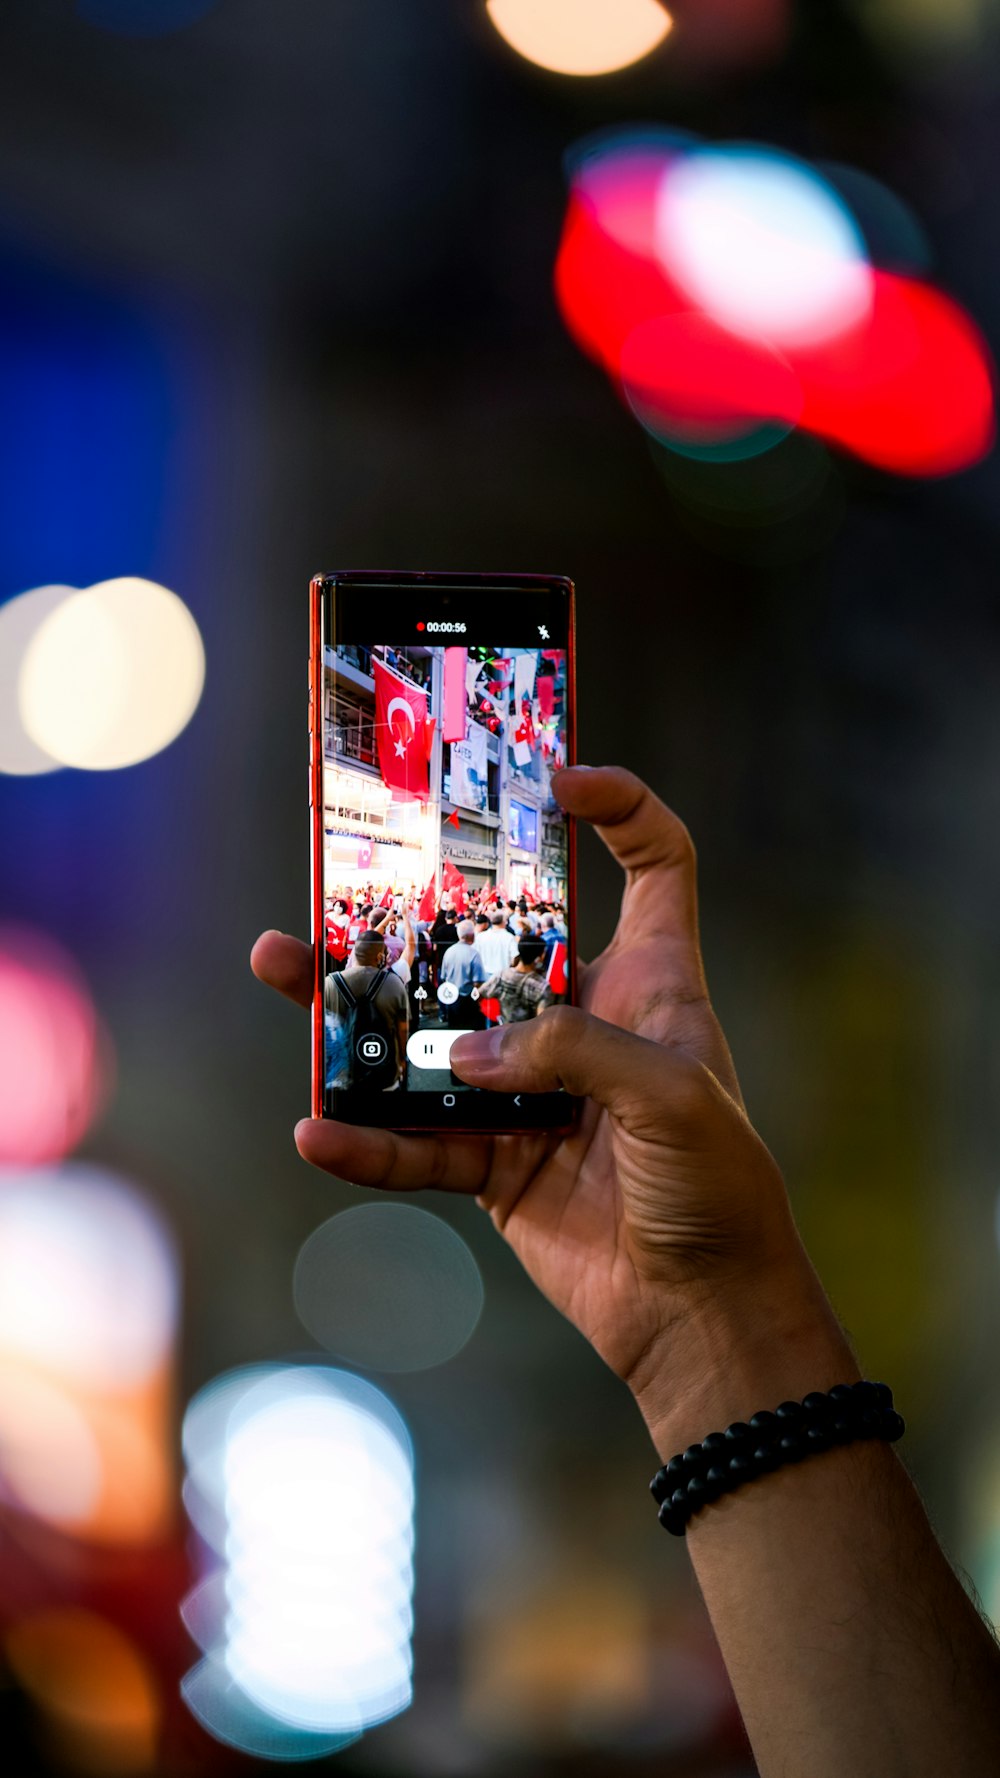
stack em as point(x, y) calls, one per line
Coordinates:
point(276, 296)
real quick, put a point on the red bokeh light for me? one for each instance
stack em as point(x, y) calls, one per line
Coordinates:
point(908, 389)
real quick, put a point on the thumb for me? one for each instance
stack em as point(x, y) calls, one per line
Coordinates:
point(630, 1076)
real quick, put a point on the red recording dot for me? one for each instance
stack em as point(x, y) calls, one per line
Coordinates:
point(420, 626)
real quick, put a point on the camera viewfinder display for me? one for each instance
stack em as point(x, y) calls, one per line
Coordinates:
point(446, 869)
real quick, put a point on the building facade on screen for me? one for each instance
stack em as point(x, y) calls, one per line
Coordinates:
point(411, 786)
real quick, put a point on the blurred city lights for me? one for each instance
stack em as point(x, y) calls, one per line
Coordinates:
point(51, 1459)
point(54, 1056)
point(388, 1287)
point(880, 364)
point(217, 1703)
point(581, 36)
point(112, 675)
point(19, 619)
point(690, 383)
point(88, 1308)
point(762, 245)
point(95, 1691)
point(143, 18)
point(303, 1478)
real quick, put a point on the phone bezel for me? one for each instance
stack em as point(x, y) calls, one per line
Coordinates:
point(319, 587)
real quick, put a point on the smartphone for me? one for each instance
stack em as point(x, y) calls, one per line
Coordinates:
point(443, 869)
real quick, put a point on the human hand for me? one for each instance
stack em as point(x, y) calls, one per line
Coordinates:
point(663, 1203)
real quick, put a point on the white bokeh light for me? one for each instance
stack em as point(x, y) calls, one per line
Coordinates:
point(112, 675)
point(304, 1476)
point(20, 619)
point(582, 37)
point(763, 245)
point(88, 1277)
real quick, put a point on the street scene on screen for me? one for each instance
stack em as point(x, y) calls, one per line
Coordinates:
point(445, 868)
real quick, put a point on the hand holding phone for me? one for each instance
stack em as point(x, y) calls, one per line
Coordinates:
point(663, 1193)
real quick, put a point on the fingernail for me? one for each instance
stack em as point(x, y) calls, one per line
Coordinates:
point(477, 1046)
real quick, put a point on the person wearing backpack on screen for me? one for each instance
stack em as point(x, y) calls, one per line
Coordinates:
point(367, 1020)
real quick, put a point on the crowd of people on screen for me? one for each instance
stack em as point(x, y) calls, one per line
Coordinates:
point(491, 960)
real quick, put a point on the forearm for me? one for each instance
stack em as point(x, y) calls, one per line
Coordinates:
point(852, 1648)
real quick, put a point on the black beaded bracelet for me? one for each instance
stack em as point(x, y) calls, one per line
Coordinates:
point(750, 1448)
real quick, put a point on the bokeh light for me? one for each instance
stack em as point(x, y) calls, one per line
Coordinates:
point(581, 36)
point(95, 1690)
point(55, 1059)
point(231, 1717)
point(51, 1458)
point(20, 618)
point(894, 237)
point(880, 364)
point(87, 1277)
point(112, 675)
point(143, 18)
point(388, 1287)
point(303, 1478)
point(88, 1310)
point(691, 384)
point(762, 245)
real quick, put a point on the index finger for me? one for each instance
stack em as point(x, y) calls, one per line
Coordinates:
point(285, 963)
point(651, 844)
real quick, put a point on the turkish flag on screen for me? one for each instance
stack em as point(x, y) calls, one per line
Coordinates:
point(400, 730)
point(428, 900)
point(456, 885)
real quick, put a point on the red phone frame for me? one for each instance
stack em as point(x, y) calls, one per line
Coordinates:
point(417, 578)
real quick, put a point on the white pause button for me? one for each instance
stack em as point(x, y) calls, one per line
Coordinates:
point(430, 1049)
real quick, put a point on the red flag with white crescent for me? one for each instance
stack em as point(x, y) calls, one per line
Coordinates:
point(401, 712)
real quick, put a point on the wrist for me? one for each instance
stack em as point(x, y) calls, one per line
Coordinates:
point(741, 1347)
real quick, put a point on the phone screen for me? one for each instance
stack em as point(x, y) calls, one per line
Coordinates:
point(447, 863)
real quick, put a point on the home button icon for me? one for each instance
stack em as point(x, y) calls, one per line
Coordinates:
point(449, 1099)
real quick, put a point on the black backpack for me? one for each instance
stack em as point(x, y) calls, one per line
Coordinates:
point(365, 1026)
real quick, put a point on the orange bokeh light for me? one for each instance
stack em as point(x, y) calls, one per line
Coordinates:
point(88, 1311)
point(94, 1690)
